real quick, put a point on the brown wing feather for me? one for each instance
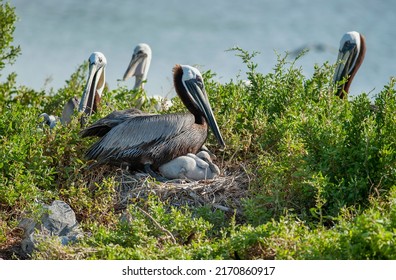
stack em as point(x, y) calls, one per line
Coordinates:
point(153, 139)
point(104, 125)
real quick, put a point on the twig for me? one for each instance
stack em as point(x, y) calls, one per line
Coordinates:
point(158, 225)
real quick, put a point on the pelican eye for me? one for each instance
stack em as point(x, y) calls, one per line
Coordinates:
point(348, 45)
point(199, 81)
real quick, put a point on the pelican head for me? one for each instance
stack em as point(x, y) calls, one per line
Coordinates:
point(350, 57)
point(192, 92)
point(139, 64)
point(95, 83)
point(49, 120)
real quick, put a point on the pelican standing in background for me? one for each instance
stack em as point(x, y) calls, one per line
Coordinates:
point(145, 142)
point(96, 82)
point(139, 65)
point(350, 57)
point(91, 96)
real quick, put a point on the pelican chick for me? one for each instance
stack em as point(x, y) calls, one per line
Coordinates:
point(139, 65)
point(350, 57)
point(194, 167)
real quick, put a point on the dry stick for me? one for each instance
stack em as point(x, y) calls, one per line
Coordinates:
point(158, 225)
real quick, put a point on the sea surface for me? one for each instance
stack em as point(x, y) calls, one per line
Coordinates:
point(57, 36)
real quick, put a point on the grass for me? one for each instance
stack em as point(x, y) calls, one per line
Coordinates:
point(305, 175)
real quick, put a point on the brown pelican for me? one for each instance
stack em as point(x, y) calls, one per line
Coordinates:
point(350, 57)
point(91, 96)
point(193, 167)
point(95, 84)
point(145, 142)
point(139, 65)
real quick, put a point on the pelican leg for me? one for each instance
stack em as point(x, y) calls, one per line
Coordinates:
point(148, 170)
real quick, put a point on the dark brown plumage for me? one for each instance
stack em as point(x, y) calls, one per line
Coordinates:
point(104, 125)
point(142, 141)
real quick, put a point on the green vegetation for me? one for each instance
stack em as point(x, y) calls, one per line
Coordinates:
point(321, 172)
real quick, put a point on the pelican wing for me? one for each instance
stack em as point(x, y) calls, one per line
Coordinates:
point(69, 109)
point(104, 125)
point(140, 135)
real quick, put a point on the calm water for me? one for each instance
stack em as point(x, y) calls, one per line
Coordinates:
point(57, 36)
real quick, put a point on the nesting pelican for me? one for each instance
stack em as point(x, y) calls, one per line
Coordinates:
point(145, 142)
point(91, 96)
point(193, 167)
point(350, 57)
point(139, 65)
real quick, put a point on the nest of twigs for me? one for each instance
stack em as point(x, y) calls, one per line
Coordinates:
point(224, 192)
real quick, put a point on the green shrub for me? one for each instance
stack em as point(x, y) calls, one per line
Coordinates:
point(321, 170)
point(8, 53)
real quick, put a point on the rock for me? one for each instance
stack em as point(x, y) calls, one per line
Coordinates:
point(58, 220)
